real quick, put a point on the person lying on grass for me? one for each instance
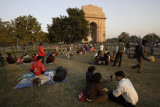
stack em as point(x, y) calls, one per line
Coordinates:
point(125, 94)
point(39, 70)
point(91, 71)
point(94, 92)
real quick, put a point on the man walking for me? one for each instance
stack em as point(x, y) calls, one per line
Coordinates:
point(140, 51)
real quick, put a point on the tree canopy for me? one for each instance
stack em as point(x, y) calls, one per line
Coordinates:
point(7, 32)
point(27, 28)
point(69, 29)
point(151, 37)
point(24, 28)
point(124, 36)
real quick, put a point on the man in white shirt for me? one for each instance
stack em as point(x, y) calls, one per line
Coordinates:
point(125, 93)
point(101, 48)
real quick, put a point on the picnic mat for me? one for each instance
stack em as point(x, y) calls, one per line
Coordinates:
point(27, 77)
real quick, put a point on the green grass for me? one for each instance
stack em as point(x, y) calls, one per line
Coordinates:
point(66, 93)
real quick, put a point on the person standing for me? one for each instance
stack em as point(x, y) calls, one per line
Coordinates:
point(68, 51)
point(101, 48)
point(41, 52)
point(140, 51)
point(119, 53)
point(38, 69)
point(125, 94)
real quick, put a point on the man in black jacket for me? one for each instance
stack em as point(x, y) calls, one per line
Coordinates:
point(140, 51)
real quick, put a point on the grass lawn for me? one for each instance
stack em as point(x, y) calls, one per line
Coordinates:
point(65, 94)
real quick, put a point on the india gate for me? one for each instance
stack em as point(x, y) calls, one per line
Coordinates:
point(96, 18)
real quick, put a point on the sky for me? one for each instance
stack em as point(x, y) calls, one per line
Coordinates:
point(136, 17)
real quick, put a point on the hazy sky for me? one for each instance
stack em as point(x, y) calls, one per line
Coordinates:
point(137, 17)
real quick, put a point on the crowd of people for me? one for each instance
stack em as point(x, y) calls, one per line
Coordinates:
point(125, 92)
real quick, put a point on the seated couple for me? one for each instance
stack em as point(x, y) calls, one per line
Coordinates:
point(125, 94)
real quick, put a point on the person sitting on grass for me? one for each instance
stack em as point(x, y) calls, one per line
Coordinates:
point(55, 52)
point(50, 59)
point(10, 59)
point(113, 57)
point(94, 92)
point(92, 49)
point(34, 58)
point(125, 94)
point(39, 70)
point(1, 59)
point(27, 59)
point(91, 71)
point(19, 60)
point(106, 51)
point(107, 59)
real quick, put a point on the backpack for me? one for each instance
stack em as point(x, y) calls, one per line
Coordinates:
point(135, 51)
point(60, 74)
point(82, 96)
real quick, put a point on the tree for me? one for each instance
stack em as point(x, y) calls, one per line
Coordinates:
point(124, 36)
point(112, 40)
point(134, 39)
point(7, 32)
point(27, 28)
point(58, 29)
point(151, 38)
point(78, 24)
point(69, 29)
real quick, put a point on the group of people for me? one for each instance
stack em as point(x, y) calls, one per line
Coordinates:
point(125, 93)
point(20, 60)
point(104, 57)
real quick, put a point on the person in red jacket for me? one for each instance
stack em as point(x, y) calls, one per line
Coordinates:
point(39, 70)
point(41, 52)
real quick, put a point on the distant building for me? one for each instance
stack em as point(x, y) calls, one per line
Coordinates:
point(96, 18)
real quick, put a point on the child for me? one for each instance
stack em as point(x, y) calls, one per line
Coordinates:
point(34, 59)
point(19, 60)
point(113, 57)
point(107, 58)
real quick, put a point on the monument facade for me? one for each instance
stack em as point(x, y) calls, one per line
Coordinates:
point(96, 18)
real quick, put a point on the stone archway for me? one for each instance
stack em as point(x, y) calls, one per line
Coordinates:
point(96, 15)
point(93, 32)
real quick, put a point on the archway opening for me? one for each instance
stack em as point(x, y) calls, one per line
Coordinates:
point(93, 32)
